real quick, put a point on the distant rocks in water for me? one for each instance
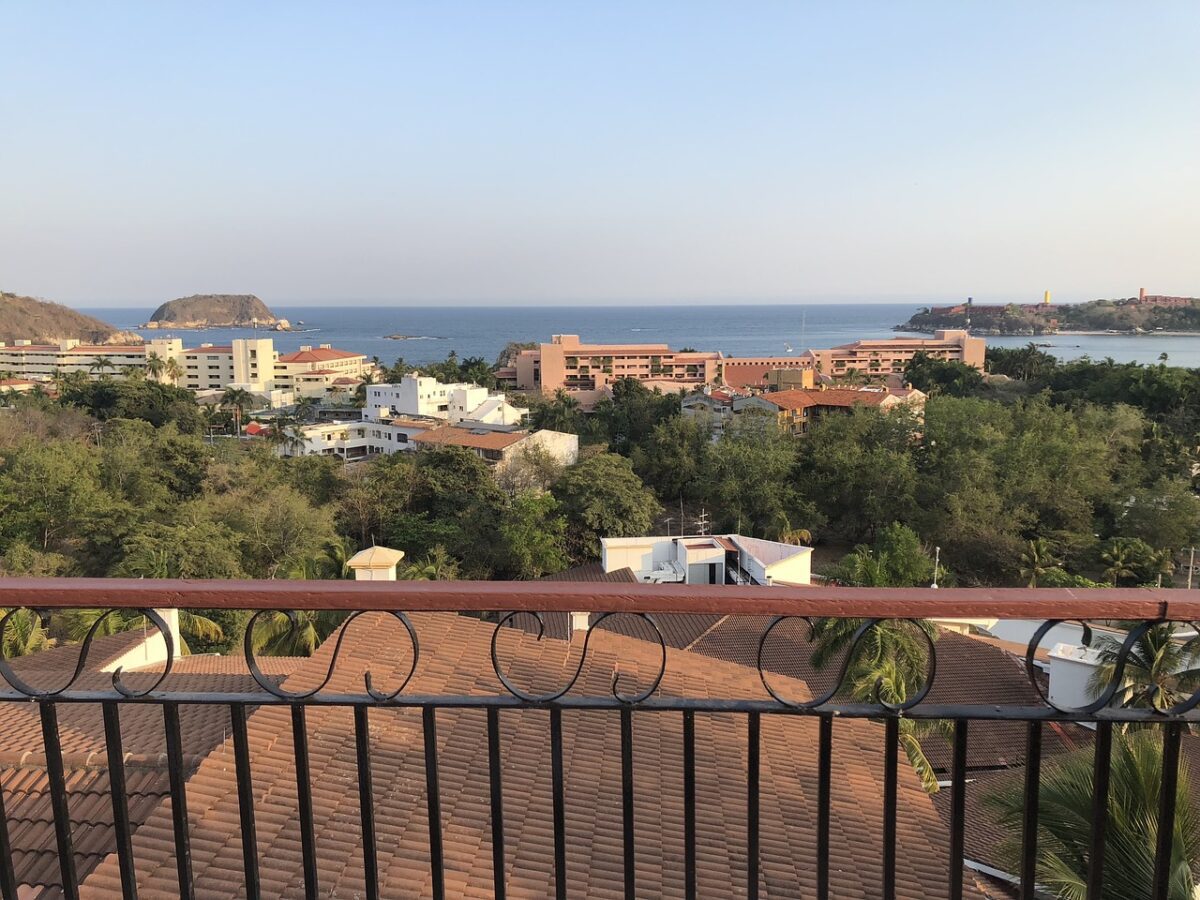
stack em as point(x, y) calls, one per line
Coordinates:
point(43, 322)
point(412, 337)
point(216, 311)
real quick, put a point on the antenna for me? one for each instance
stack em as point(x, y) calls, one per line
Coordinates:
point(702, 522)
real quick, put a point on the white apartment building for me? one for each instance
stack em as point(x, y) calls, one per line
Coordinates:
point(253, 364)
point(41, 362)
point(420, 395)
point(357, 439)
point(708, 559)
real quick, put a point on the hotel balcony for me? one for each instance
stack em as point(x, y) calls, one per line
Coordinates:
point(564, 739)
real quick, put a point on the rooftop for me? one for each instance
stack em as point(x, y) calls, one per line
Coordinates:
point(476, 438)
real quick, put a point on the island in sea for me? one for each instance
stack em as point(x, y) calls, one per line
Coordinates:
point(1143, 314)
point(216, 311)
point(42, 322)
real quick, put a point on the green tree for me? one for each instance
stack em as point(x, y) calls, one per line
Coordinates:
point(238, 400)
point(602, 496)
point(436, 565)
point(560, 413)
point(897, 559)
point(675, 457)
point(942, 377)
point(532, 538)
point(1065, 823)
point(1037, 559)
point(1160, 671)
point(278, 635)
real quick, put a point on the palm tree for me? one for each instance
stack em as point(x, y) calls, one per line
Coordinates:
point(1159, 672)
point(438, 565)
point(172, 370)
point(101, 364)
point(558, 414)
point(78, 622)
point(1118, 560)
point(277, 635)
point(155, 365)
point(26, 633)
point(306, 408)
point(1037, 559)
point(237, 399)
point(1065, 823)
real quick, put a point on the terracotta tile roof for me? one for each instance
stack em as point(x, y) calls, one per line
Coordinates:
point(455, 660)
point(799, 398)
point(454, 436)
point(22, 758)
point(594, 572)
point(317, 354)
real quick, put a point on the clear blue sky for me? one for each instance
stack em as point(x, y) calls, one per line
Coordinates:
point(572, 151)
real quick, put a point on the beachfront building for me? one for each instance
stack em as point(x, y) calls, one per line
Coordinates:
point(421, 395)
point(890, 356)
point(255, 365)
point(586, 370)
point(42, 362)
point(708, 559)
point(796, 410)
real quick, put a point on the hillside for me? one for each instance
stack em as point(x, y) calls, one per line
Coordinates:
point(212, 311)
point(24, 318)
point(1134, 315)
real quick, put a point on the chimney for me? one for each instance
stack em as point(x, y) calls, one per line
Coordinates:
point(375, 564)
point(580, 621)
point(153, 649)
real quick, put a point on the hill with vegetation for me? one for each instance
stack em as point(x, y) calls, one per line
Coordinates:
point(40, 321)
point(1132, 316)
point(213, 311)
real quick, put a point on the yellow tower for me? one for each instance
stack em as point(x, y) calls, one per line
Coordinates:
point(1046, 299)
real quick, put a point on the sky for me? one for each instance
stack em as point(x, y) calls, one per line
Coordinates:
point(599, 152)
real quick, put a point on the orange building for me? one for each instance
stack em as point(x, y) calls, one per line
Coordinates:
point(587, 369)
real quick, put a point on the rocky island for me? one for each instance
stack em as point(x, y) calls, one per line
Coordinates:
point(216, 311)
point(1144, 314)
point(43, 322)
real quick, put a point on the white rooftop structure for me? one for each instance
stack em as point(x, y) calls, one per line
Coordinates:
point(708, 559)
point(419, 395)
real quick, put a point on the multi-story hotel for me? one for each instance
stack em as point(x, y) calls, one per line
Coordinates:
point(890, 356)
point(250, 363)
point(882, 357)
point(587, 369)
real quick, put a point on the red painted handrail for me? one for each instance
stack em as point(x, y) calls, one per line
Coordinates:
point(550, 596)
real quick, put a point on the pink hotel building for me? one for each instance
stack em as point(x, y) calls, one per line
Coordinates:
point(585, 370)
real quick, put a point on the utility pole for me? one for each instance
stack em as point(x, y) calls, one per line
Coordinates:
point(702, 522)
point(937, 559)
point(1191, 566)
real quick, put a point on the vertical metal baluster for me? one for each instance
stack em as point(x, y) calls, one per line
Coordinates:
point(308, 839)
point(1166, 812)
point(120, 806)
point(689, 804)
point(958, 809)
point(366, 801)
point(824, 798)
point(179, 815)
point(58, 800)
point(1029, 823)
point(497, 791)
point(1100, 777)
point(753, 764)
point(241, 756)
point(627, 802)
point(560, 804)
point(8, 879)
point(891, 741)
point(434, 803)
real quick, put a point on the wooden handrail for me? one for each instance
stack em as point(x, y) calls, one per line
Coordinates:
point(551, 596)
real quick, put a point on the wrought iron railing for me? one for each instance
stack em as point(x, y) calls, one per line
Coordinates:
point(527, 606)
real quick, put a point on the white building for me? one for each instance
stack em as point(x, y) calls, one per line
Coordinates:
point(420, 395)
point(708, 559)
point(252, 364)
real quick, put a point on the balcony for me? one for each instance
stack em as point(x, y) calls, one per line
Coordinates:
point(563, 739)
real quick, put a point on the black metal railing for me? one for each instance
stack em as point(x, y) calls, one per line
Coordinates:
point(535, 605)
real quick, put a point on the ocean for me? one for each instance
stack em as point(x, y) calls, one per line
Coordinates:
point(736, 330)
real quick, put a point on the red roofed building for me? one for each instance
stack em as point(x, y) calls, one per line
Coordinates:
point(796, 409)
